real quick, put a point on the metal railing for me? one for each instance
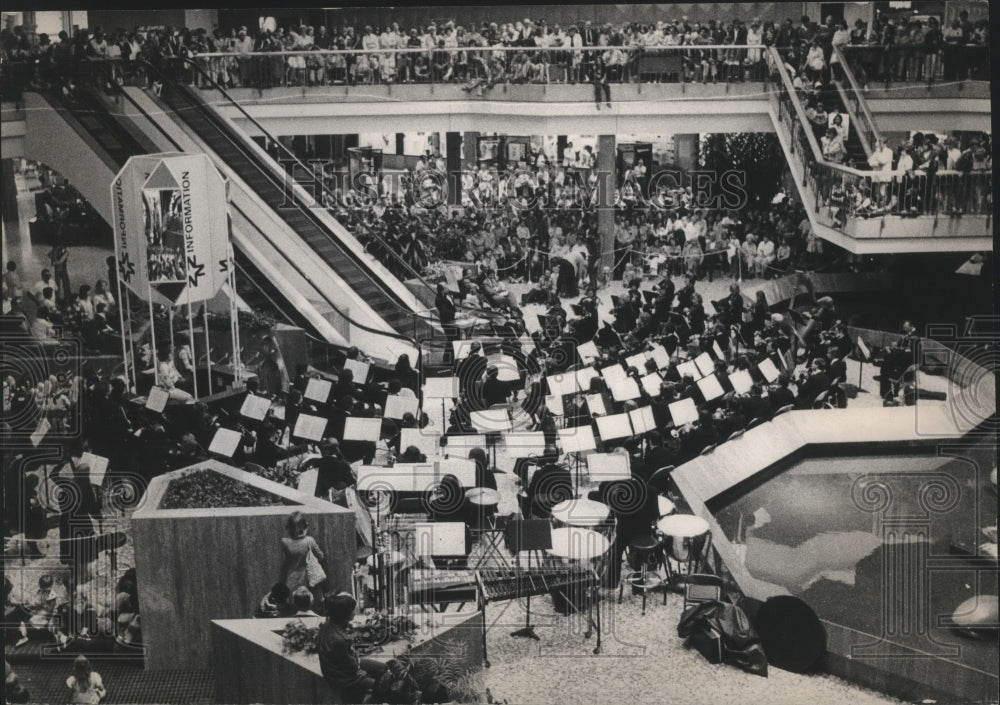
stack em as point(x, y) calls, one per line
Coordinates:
point(917, 63)
point(842, 193)
point(487, 66)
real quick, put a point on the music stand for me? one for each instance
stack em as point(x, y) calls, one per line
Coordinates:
point(595, 403)
point(741, 381)
point(255, 407)
point(588, 351)
point(225, 442)
point(577, 440)
point(531, 535)
point(319, 389)
point(614, 426)
point(660, 356)
point(683, 412)
point(710, 387)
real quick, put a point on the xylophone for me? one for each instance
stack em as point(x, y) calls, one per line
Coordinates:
point(442, 587)
point(497, 584)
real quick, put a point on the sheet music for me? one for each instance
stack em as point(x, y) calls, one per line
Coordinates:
point(717, 350)
point(506, 367)
point(651, 383)
point(577, 440)
point(521, 444)
point(400, 478)
point(440, 387)
point(397, 406)
point(463, 444)
point(642, 419)
point(98, 467)
point(625, 390)
point(683, 412)
point(561, 384)
point(554, 403)
point(638, 361)
point(588, 351)
point(768, 369)
point(318, 389)
point(711, 388)
point(309, 427)
point(359, 428)
point(490, 420)
point(612, 373)
point(660, 356)
point(255, 407)
point(157, 400)
point(279, 412)
point(583, 377)
point(463, 469)
point(595, 402)
point(614, 426)
point(865, 352)
point(688, 368)
point(741, 381)
point(359, 368)
point(426, 441)
point(608, 467)
point(705, 363)
point(440, 538)
point(225, 442)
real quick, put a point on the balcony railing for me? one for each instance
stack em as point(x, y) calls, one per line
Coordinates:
point(843, 194)
point(915, 63)
point(488, 66)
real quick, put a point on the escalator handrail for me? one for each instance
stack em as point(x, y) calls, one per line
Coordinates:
point(368, 329)
point(292, 157)
point(267, 171)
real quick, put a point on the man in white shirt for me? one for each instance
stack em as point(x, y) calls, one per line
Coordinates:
point(765, 255)
point(43, 283)
point(881, 158)
point(905, 161)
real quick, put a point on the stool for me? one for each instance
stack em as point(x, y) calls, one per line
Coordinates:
point(644, 556)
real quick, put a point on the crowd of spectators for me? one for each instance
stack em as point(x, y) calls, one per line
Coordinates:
point(525, 51)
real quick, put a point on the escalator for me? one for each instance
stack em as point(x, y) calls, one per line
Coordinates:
point(381, 293)
point(88, 112)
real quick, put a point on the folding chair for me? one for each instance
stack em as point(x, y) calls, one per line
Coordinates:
point(702, 587)
point(783, 410)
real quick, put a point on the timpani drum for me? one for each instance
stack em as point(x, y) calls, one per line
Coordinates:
point(685, 538)
point(583, 547)
point(483, 503)
point(581, 512)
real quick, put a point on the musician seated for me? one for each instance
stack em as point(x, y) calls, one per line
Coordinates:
point(779, 394)
point(411, 454)
point(549, 486)
point(334, 474)
point(268, 450)
point(447, 501)
point(812, 384)
point(484, 478)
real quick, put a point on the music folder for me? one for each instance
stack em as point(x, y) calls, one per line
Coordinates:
point(608, 467)
point(423, 439)
point(584, 375)
point(625, 390)
point(741, 381)
point(710, 387)
point(588, 351)
point(642, 419)
point(440, 387)
point(528, 535)
point(866, 354)
point(255, 407)
point(309, 427)
point(614, 426)
point(396, 406)
point(463, 469)
point(319, 389)
point(705, 364)
point(360, 370)
point(768, 369)
point(688, 368)
point(359, 428)
point(157, 399)
point(717, 350)
point(225, 442)
point(98, 465)
point(595, 403)
point(554, 403)
point(660, 356)
point(683, 412)
point(577, 440)
point(445, 538)
point(651, 383)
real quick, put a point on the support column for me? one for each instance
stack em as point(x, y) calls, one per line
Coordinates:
point(453, 165)
point(606, 180)
point(470, 151)
point(8, 192)
point(686, 151)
